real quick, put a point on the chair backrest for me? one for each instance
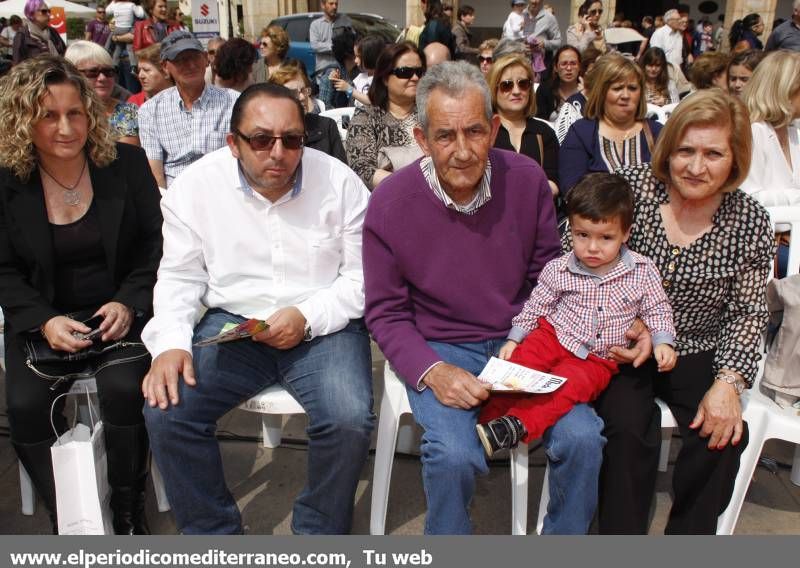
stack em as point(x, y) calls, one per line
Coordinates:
point(656, 112)
point(789, 215)
point(338, 115)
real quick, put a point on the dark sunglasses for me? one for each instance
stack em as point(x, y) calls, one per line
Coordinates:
point(264, 44)
point(95, 72)
point(508, 85)
point(483, 59)
point(44, 11)
point(596, 12)
point(408, 72)
point(261, 141)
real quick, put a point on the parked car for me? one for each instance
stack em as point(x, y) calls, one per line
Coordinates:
point(297, 25)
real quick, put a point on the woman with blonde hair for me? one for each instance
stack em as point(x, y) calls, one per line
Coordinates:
point(80, 243)
point(273, 46)
point(615, 132)
point(713, 246)
point(511, 86)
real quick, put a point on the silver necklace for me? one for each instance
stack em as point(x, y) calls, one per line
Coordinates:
point(70, 196)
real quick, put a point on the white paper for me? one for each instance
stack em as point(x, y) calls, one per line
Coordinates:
point(510, 377)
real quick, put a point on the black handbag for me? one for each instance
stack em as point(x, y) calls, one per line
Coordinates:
point(60, 366)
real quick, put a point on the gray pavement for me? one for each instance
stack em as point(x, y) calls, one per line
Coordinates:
point(265, 482)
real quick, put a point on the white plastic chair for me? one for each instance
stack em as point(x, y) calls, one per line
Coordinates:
point(667, 110)
point(273, 402)
point(656, 112)
point(393, 406)
point(338, 114)
point(27, 495)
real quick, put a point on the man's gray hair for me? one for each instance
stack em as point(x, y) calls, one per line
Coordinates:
point(454, 78)
point(508, 46)
point(670, 14)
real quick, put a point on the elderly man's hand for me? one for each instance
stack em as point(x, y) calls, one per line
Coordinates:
point(286, 329)
point(453, 386)
point(641, 349)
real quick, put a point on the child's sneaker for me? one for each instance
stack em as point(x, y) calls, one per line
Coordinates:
point(501, 433)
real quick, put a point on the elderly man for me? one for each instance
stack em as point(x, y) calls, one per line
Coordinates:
point(541, 30)
point(320, 35)
point(787, 35)
point(453, 245)
point(436, 53)
point(183, 123)
point(268, 230)
point(669, 38)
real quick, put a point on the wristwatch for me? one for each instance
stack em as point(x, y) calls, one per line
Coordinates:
point(307, 336)
point(737, 383)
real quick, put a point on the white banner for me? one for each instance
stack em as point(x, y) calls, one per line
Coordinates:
point(205, 19)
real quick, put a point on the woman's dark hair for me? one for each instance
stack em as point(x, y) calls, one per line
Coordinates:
point(656, 56)
point(555, 80)
point(370, 47)
point(465, 10)
point(602, 197)
point(739, 27)
point(589, 56)
point(749, 59)
point(343, 47)
point(234, 60)
point(707, 67)
point(378, 92)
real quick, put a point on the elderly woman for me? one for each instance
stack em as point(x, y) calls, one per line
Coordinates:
point(511, 83)
point(155, 27)
point(151, 75)
point(587, 31)
point(322, 133)
point(273, 46)
point(485, 59)
point(233, 64)
point(36, 36)
point(713, 245)
point(387, 126)
point(80, 239)
point(96, 65)
point(615, 132)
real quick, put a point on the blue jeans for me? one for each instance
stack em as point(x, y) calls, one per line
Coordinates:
point(330, 376)
point(452, 455)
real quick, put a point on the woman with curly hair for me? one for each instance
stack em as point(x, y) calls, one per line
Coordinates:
point(273, 45)
point(233, 65)
point(80, 241)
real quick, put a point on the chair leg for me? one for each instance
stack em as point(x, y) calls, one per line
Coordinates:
point(795, 477)
point(384, 460)
point(272, 429)
point(519, 490)
point(27, 495)
point(544, 499)
point(158, 487)
point(666, 441)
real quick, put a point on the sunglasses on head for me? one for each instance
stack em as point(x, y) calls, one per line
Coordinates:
point(508, 85)
point(261, 141)
point(596, 12)
point(483, 59)
point(95, 72)
point(408, 72)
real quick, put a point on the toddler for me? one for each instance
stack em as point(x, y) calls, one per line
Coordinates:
point(124, 12)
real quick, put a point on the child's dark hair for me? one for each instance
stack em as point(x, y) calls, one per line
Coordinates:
point(601, 197)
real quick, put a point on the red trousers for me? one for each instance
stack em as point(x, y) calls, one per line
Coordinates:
point(586, 379)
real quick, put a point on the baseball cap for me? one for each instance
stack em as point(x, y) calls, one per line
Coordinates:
point(518, 2)
point(177, 42)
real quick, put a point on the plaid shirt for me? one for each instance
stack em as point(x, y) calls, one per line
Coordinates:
point(591, 313)
point(176, 136)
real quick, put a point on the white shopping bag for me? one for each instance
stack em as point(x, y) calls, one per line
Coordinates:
point(83, 496)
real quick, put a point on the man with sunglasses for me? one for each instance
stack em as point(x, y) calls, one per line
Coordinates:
point(97, 30)
point(453, 244)
point(266, 229)
point(181, 124)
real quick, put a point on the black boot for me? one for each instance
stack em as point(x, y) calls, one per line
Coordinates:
point(39, 465)
point(127, 448)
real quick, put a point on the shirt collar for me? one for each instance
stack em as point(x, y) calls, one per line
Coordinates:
point(625, 259)
point(201, 101)
point(482, 196)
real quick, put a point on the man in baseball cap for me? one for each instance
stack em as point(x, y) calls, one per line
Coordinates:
point(170, 137)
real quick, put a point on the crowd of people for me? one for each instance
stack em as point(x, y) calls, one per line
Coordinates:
point(514, 198)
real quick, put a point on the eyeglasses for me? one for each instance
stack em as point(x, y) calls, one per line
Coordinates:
point(302, 91)
point(483, 59)
point(95, 72)
point(596, 12)
point(408, 72)
point(261, 141)
point(508, 85)
point(568, 64)
point(264, 44)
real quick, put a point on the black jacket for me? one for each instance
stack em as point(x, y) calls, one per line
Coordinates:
point(322, 133)
point(128, 206)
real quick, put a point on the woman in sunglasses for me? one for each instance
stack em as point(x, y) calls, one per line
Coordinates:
point(587, 30)
point(273, 46)
point(96, 65)
point(510, 83)
point(615, 132)
point(80, 227)
point(485, 59)
point(381, 136)
point(36, 36)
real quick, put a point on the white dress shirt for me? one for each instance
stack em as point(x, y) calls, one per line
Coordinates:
point(226, 246)
point(671, 42)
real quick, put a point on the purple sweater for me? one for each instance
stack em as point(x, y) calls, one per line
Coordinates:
point(434, 274)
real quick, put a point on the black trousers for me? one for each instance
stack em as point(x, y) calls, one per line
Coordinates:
point(703, 479)
point(29, 397)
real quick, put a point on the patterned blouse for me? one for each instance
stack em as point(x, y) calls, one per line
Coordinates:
point(617, 155)
point(124, 120)
point(716, 285)
point(371, 129)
